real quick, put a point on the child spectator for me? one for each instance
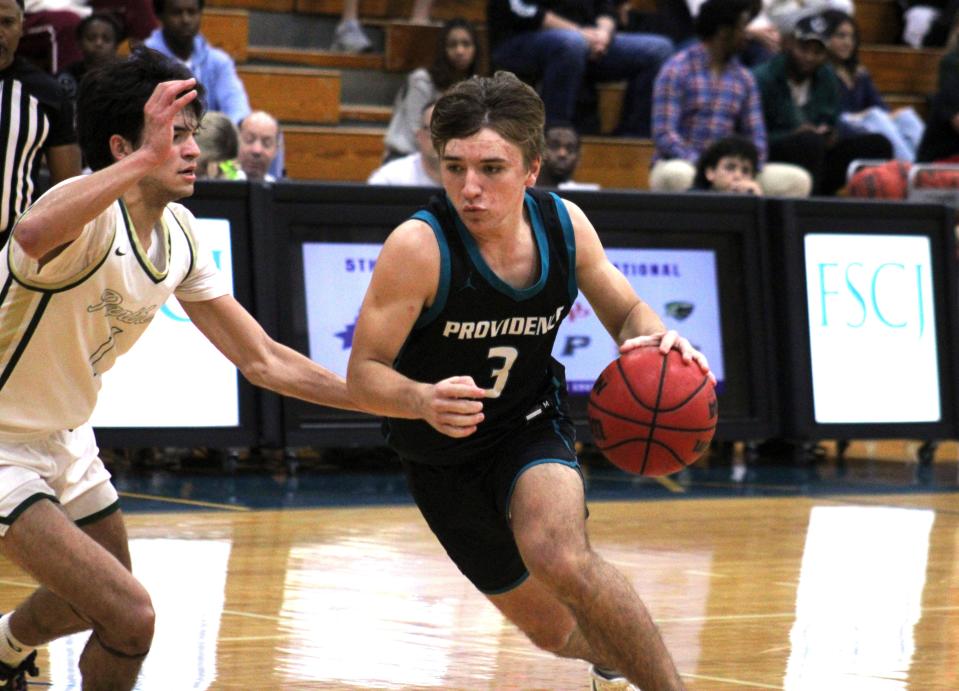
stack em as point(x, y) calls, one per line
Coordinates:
point(99, 36)
point(219, 144)
point(863, 109)
point(728, 165)
point(457, 57)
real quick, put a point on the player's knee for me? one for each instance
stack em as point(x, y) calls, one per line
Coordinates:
point(131, 634)
point(562, 567)
point(551, 637)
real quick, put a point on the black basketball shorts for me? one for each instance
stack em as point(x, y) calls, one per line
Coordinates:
point(467, 505)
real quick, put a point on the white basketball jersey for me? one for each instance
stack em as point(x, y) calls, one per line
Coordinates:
point(64, 324)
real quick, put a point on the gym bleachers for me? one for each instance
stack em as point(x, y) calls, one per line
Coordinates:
point(330, 139)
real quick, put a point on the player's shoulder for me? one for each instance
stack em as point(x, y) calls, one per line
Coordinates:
point(184, 220)
point(413, 236)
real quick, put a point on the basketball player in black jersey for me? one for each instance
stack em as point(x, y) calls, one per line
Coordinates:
point(453, 346)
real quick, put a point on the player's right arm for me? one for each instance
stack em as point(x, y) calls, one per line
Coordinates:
point(404, 283)
point(59, 217)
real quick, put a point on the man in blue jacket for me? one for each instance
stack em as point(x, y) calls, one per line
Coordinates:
point(179, 37)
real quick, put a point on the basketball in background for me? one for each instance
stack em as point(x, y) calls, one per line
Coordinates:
point(652, 414)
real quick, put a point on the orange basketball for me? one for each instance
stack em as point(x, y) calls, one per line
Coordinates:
point(652, 414)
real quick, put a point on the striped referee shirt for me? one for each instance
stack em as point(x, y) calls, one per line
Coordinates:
point(35, 114)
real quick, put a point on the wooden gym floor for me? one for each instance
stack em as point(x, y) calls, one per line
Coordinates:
point(824, 578)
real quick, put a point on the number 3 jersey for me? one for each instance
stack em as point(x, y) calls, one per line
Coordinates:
point(63, 324)
point(480, 326)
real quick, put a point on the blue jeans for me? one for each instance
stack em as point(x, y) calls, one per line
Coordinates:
point(559, 60)
point(903, 128)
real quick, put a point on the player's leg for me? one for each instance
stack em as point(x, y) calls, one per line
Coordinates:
point(548, 523)
point(45, 616)
point(546, 621)
point(98, 587)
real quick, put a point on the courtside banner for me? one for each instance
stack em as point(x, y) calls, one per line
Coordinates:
point(872, 328)
point(173, 376)
point(680, 284)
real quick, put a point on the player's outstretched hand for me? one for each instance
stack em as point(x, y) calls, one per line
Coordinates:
point(167, 99)
point(666, 341)
point(453, 407)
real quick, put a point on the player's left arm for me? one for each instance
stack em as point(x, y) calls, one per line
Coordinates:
point(263, 361)
point(629, 320)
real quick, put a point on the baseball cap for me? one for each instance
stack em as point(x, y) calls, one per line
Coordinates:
point(813, 28)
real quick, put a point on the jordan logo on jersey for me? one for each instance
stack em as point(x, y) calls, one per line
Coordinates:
point(110, 302)
point(515, 326)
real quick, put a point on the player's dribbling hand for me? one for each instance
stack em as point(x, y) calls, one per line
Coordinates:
point(167, 99)
point(667, 341)
point(454, 408)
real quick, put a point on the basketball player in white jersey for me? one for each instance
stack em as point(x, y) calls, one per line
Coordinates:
point(86, 269)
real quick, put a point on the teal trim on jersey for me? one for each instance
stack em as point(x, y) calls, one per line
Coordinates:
point(542, 243)
point(570, 238)
point(155, 275)
point(443, 289)
point(512, 586)
point(532, 464)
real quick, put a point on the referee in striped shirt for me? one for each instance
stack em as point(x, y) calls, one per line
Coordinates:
point(36, 122)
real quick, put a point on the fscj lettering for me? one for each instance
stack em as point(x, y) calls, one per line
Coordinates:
point(515, 326)
point(888, 293)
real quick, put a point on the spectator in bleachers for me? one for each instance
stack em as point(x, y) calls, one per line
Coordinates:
point(457, 57)
point(565, 45)
point(421, 168)
point(259, 145)
point(219, 145)
point(560, 159)
point(728, 165)
point(785, 14)
point(37, 117)
point(940, 142)
point(863, 108)
point(800, 97)
point(179, 37)
point(702, 94)
point(51, 27)
point(99, 36)
point(349, 36)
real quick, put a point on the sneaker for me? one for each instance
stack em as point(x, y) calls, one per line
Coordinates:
point(349, 38)
point(15, 678)
point(600, 682)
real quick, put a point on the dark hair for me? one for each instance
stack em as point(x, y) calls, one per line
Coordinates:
point(20, 5)
point(111, 100)
point(835, 19)
point(105, 17)
point(159, 6)
point(502, 103)
point(717, 14)
point(441, 71)
point(739, 147)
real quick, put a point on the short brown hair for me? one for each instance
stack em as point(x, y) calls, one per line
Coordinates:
point(501, 103)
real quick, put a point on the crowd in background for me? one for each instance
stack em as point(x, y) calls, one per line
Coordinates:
point(773, 90)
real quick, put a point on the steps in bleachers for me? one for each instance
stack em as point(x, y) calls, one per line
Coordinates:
point(263, 5)
point(352, 153)
point(294, 94)
point(901, 69)
point(879, 21)
point(335, 106)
